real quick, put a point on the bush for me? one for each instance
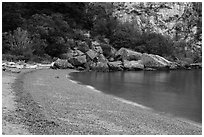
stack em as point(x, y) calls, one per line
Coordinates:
point(157, 44)
point(125, 35)
point(18, 43)
point(53, 31)
point(13, 58)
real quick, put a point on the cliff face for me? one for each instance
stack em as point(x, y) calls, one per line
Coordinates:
point(175, 19)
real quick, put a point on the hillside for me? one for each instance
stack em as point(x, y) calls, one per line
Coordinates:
point(43, 31)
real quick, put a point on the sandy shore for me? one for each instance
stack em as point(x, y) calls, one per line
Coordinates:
point(48, 102)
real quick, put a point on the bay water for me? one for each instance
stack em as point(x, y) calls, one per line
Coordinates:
point(176, 93)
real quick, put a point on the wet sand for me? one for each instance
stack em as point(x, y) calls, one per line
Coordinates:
point(50, 103)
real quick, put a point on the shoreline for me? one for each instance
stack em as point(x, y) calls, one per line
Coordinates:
point(52, 123)
point(135, 103)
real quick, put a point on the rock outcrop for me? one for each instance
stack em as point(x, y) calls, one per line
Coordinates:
point(62, 64)
point(115, 66)
point(127, 54)
point(78, 60)
point(100, 66)
point(154, 61)
point(133, 65)
point(91, 54)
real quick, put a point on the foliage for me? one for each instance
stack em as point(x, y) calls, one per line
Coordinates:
point(53, 31)
point(19, 43)
point(10, 57)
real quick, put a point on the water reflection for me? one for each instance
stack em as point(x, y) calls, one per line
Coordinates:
point(178, 92)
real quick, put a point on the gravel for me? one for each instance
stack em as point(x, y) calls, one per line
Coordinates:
point(48, 102)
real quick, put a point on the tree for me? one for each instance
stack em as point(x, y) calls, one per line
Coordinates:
point(53, 30)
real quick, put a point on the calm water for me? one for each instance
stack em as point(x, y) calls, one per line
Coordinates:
point(177, 93)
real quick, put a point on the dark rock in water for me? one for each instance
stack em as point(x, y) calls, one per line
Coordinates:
point(78, 60)
point(127, 54)
point(154, 61)
point(133, 65)
point(91, 54)
point(62, 64)
point(116, 65)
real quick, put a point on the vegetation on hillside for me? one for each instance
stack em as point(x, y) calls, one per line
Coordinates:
point(40, 31)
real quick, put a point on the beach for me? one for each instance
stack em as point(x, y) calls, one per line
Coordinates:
point(47, 102)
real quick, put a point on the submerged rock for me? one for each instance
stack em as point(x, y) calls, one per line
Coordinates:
point(127, 54)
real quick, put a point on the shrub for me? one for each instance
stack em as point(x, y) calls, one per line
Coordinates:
point(157, 44)
point(18, 43)
point(125, 35)
point(9, 57)
point(53, 31)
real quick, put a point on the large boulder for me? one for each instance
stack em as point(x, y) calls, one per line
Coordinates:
point(116, 65)
point(102, 58)
point(154, 61)
point(174, 66)
point(91, 54)
point(77, 52)
point(133, 65)
point(127, 54)
point(108, 50)
point(100, 66)
point(62, 64)
point(78, 60)
point(98, 49)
